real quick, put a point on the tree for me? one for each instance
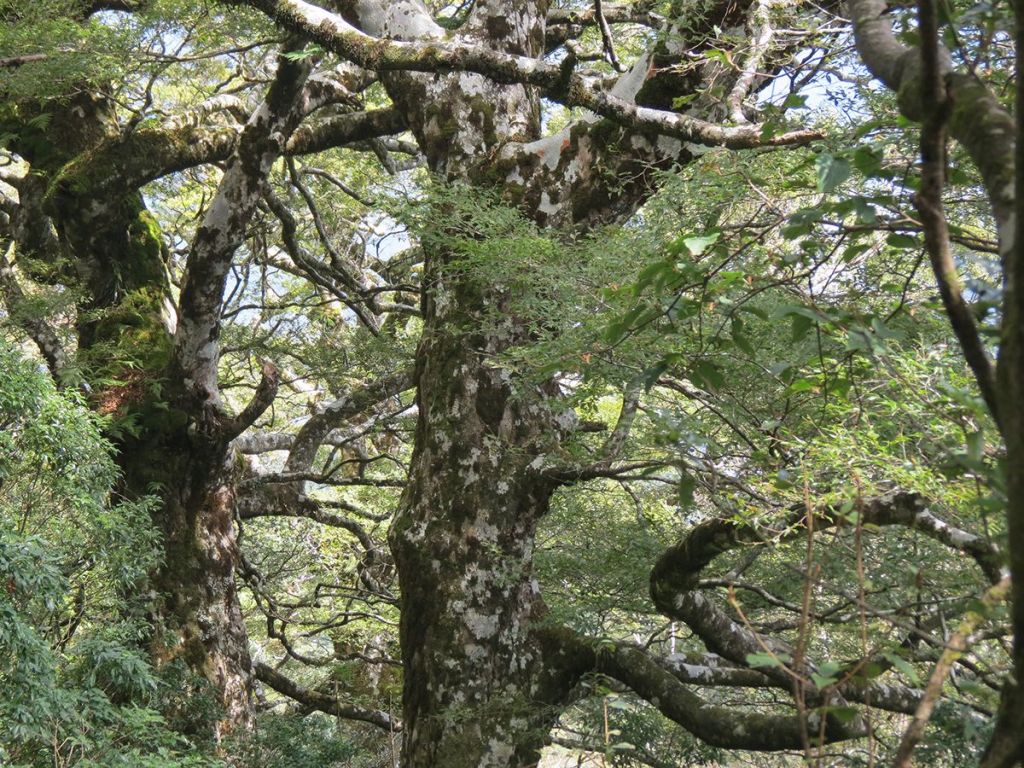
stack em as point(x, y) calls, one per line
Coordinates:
point(487, 352)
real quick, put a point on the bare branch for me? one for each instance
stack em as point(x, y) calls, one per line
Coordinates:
point(315, 431)
point(13, 62)
point(321, 702)
point(196, 348)
point(928, 200)
point(262, 398)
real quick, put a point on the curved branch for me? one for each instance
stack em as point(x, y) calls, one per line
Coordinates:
point(719, 726)
point(679, 567)
point(675, 577)
point(976, 118)
point(262, 398)
point(955, 648)
point(129, 162)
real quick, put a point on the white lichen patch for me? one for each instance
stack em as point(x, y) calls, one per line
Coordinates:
point(481, 626)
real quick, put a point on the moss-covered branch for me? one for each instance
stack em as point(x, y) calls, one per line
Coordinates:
point(336, 34)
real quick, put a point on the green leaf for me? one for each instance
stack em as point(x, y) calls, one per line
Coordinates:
point(975, 446)
point(823, 681)
point(697, 244)
point(801, 385)
point(743, 343)
point(865, 211)
point(903, 666)
point(708, 375)
point(898, 240)
point(801, 325)
point(832, 171)
point(686, 489)
point(867, 160)
point(762, 660)
point(844, 715)
point(651, 375)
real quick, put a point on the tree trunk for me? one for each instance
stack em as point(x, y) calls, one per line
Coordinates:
point(464, 534)
point(463, 543)
point(125, 336)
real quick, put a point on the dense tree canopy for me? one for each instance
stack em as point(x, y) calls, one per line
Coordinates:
point(501, 383)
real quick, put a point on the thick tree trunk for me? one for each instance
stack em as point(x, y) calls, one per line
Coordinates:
point(198, 616)
point(464, 534)
point(125, 339)
point(463, 543)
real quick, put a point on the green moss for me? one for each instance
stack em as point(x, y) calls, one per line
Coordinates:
point(132, 335)
point(485, 109)
point(144, 264)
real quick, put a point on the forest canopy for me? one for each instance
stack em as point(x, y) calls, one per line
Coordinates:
point(511, 384)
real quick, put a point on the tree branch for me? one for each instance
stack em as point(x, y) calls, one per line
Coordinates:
point(928, 201)
point(976, 118)
point(36, 327)
point(955, 648)
point(262, 398)
point(196, 347)
point(322, 702)
point(126, 163)
point(719, 726)
point(675, 576)
point(313, 433)
point(337, 35)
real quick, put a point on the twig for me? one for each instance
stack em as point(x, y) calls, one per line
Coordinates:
point(606, 37)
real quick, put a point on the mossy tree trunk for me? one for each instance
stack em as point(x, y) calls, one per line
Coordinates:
point(171, 443)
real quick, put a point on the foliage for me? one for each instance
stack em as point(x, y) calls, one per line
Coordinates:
point(771, 311)
point(73, 670)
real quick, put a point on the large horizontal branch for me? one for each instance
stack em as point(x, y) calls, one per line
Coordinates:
point(13, 62)
point(614, 13)
point(564, 24)
point(335, 34)
point(716, 725)
point(264, 442)
point(711, 670)
point(255, 505)
point(126, 163)
point(260, 501)
point(321, 702)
